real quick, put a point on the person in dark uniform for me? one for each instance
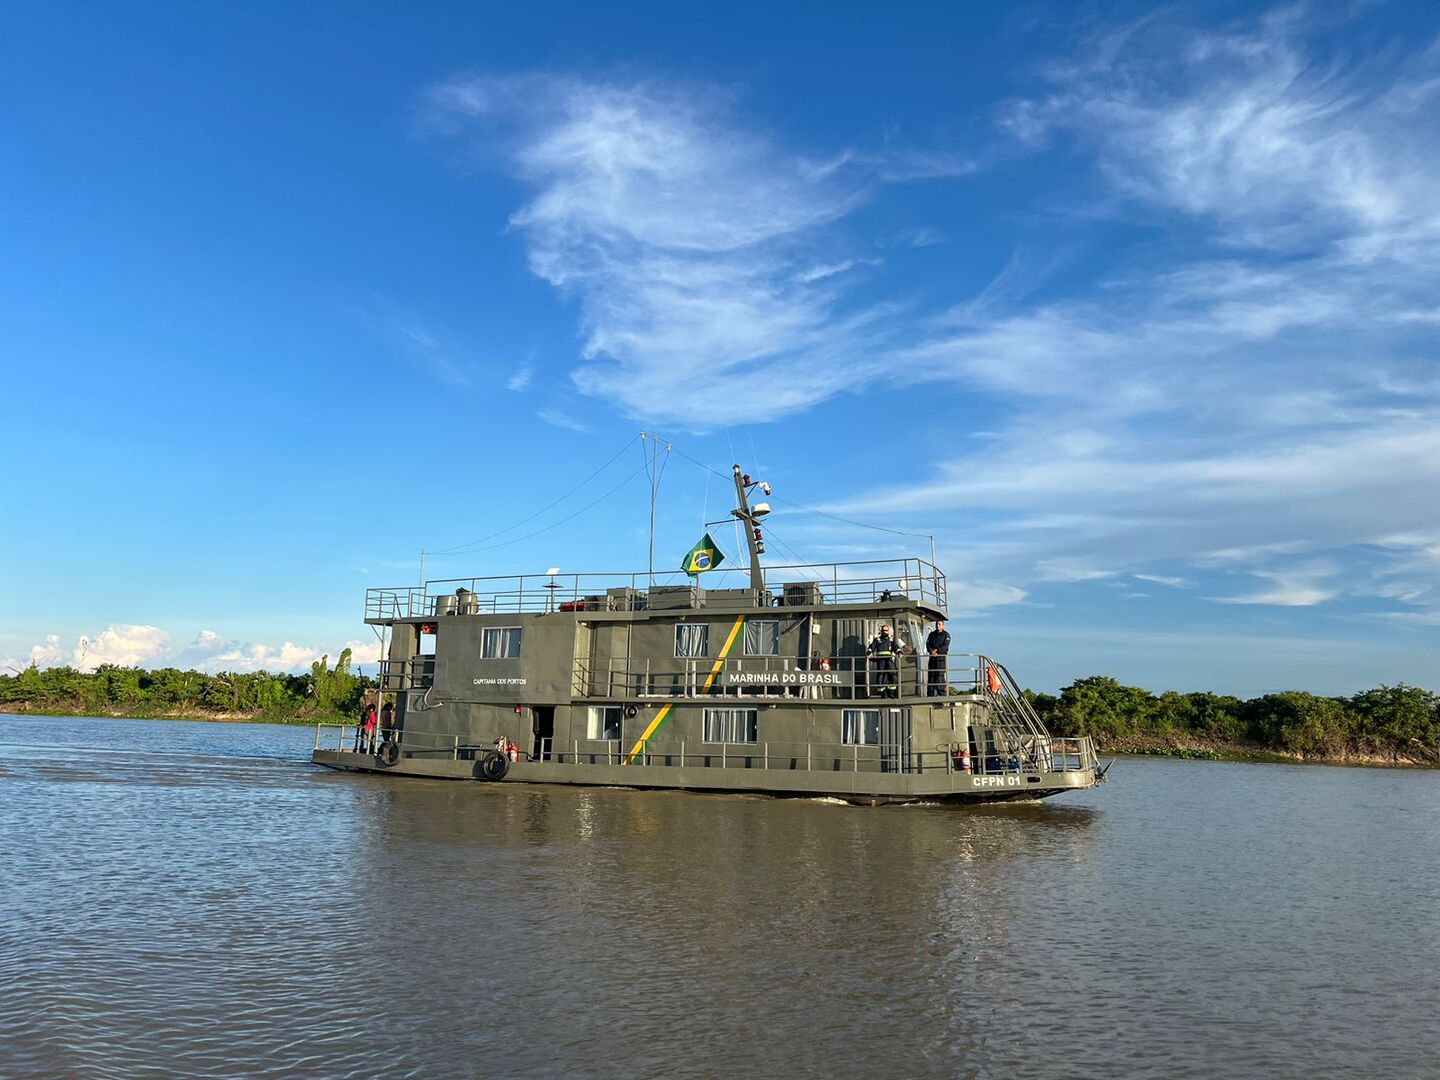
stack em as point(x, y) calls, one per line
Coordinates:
point(882, 652)
point(937, 645)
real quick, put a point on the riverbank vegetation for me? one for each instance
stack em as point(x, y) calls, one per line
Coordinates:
point(1397, 724)
point(322, 693)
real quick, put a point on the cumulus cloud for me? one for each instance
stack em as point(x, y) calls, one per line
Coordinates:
point(129, 645)
point(122, 644)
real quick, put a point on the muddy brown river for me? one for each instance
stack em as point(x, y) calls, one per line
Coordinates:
point(184, 899)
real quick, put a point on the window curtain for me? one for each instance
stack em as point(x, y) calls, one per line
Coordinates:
point(762, 637)
point(692, 640)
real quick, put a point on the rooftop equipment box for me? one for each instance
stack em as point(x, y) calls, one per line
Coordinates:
point(802, 593)
point(671, 597)
point(625, 599)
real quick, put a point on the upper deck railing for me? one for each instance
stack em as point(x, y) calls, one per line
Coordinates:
point(914, 580)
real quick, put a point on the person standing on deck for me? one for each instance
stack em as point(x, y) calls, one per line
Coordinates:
point(387, 722)
point(937, 644)
point(367, 732)
point(365, 724)
point(882, 654)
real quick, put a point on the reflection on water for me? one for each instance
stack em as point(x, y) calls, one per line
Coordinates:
point(196, 899)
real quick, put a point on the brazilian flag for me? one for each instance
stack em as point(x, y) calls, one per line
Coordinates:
point(705, 555)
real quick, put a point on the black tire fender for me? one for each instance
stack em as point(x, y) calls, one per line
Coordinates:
point(492, 765)
point(389, 753)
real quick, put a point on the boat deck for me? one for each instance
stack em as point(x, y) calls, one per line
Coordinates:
point(856, 773)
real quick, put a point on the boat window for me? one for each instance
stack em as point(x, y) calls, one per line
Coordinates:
point(861, 727)
point(604, 723)
point(762, 637)
point(692, 639)
point(500, 643)
point(730, 725)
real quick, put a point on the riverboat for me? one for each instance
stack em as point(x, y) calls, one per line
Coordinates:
point(723, 682)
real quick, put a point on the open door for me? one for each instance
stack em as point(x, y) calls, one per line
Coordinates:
point(544, 730)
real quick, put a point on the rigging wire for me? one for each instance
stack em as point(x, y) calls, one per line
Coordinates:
point(848, 521)
point(653, 472)
point(731, 443)
point(800, 564)
point(799, 506)
point(469, 545)
point(562, 521)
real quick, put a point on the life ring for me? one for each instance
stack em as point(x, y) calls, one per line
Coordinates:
point(389, 753)
point(493, 765)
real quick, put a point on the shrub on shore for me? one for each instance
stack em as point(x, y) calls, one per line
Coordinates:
point(1388, 721)
point(323, 691)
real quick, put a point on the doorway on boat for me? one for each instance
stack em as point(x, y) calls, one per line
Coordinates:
point(895, 753)
point(850, 644)
point(544, 729)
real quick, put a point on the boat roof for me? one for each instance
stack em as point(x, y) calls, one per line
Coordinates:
point(908, 582)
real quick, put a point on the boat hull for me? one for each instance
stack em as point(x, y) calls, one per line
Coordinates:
point(865, 788)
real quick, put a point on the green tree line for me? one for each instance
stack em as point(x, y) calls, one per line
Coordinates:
point(1393, 721)
point(321, 692)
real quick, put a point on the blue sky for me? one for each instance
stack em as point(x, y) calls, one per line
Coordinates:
point(1134, 311)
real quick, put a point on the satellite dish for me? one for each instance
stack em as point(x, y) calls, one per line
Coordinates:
point(552, 571)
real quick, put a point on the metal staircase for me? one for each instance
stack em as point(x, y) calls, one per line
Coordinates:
point(1020, 734)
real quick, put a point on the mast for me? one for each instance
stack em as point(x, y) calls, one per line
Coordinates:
point(752, 530)
point(654, 483)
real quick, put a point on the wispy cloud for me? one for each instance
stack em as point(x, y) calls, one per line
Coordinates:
point(919, 236)
point(1257, 377)
point(1163, 579)
point(1298, 586)
point(1268, 390)
point(690, 242)
point(431, 350)
point(521, 378)
point(560, 418)
point(821, 271)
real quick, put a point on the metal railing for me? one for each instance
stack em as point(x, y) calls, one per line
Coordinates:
point(416, 673)
point(833, 678)
point(992, 756)
point(910, 579)
point(350, 737)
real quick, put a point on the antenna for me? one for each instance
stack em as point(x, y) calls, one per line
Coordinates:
point(753, 539)
point(654, 467)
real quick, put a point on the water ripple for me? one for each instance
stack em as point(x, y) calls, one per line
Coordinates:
point(185, 899)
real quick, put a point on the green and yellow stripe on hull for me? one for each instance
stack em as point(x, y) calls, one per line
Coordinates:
point(663, 714)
